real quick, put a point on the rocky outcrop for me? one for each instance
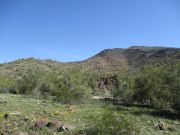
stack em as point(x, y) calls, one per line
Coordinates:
point(138, 57)
point(107, 83)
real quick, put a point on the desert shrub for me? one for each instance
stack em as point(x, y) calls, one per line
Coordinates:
point(7, 84)
point(147, 84)
point(70, 87)
point(28, 82)
point(159, 87)
point(91, 79)
point(68, 95)
point(125, 87)
point(175, 93)
point(42, 90)
point(111, 123)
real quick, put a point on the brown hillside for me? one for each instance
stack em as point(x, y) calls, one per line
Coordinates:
point(109, 61)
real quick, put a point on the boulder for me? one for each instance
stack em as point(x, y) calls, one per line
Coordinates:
point(6, 116)
point(132, 133)
point(23, 133)
point(18, 133)
point(160, 126)
point(2, 101)
point(15, 113)
point(54, 124)
point(63, 128)
point(41, 123)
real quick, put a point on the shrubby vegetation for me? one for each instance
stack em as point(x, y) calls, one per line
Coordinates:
point(158, 87)
point(70, 86)
point(111, 123)
point(7, 84)
point(29, 81)
point(125, 87)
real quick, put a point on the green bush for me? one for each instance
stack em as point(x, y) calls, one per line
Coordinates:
point(125, 87)
point(147, 85)
point(69, 86)
point(7, 84)
point(159, 87)
point(111, 123)
point(91, 79)
point(28, 82)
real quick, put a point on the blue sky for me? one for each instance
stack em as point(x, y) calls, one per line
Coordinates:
point(71, 30)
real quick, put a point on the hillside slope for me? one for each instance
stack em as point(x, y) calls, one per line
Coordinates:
point(133, 58)
point(108, 60)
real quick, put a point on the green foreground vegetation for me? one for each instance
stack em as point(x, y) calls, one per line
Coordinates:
point(25, 112)
point(39, 101)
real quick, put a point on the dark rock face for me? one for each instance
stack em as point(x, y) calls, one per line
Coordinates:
point(107, 83)
point(137, 58)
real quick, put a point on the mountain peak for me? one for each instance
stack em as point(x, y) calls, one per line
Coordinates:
point(149, 47)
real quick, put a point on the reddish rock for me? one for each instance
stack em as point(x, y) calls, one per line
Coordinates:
point(41, 123)
point(54, 124)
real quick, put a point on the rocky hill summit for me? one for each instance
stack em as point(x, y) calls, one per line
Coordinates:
point(135, 57)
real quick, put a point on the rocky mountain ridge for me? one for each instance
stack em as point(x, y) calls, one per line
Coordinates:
point(108, 60)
